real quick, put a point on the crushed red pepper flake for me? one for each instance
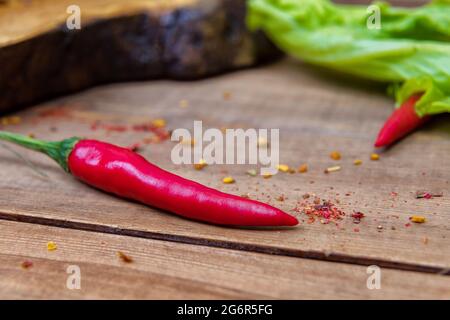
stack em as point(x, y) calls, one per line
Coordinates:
point(428, 195)
point(125, 258)
point(357, 216)
point(26, 264)
point(323, 210)
point(135, 147)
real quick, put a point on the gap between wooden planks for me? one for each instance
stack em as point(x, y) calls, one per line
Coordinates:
point(165, 270)
point(315, 113)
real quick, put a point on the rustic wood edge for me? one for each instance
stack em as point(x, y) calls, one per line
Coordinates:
point(307, 254)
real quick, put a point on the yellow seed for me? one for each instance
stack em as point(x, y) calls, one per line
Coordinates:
point(159, 123)
point(303, 168)
point(267, 176)
point(228, 180)
point(200, 165)
point(184, 103)
point(357, 162)
point(335, 155)
point(417, 219)
point(374, 156)
point(283, 167)
point(332, 169)
point(51, 246)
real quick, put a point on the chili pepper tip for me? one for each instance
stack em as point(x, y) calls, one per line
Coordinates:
point(402, 121)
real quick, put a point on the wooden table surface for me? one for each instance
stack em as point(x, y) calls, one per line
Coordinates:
point(317, 112)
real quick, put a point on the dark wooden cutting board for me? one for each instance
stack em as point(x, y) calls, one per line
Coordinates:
point(41, 57)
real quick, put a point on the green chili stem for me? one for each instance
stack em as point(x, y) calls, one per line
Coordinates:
point(57, 150)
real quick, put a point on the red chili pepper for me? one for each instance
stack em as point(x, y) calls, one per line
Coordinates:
point(124, 173)
point(401, 122)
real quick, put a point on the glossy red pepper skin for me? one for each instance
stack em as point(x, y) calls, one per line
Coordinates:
point(124, 173)
point(402, 121)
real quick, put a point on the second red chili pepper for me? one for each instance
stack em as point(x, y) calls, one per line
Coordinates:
point(124, 173)
point(402, 121)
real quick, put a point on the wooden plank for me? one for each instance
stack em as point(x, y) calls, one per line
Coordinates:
point(178, 271)
point(316, 112)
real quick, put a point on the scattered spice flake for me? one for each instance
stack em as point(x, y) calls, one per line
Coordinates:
point(394, 194)
point(13, 120)
point(246, 196)
point(135, 147)
point(26, 264)
point(425, 240)
point(357, 216)
point(125, 258)
point(55, 112)
point(332, 169)
point(323, 210)
point(303, 168)
point(335, 155)
point(306, 196)
point(115, 127)
point(374, 157)
point(356, 229)
point(159, 123)
point(226, 95)
point(51, 246)
point(183, 103)
point(357, 162)
point(283, 168)
point(428, 195)
point(200, 165)
point(417, 219)
point(252, 172)
point(228, 180)
point(291, 171)
point(281, 198)
point(267, 176)
point(407, 225)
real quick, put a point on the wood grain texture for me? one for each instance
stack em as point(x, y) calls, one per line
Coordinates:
point(177, 271)
point(316, 113)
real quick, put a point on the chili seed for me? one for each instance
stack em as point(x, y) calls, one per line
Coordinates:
point(283, 167)
point(159, 123)
point(417, 219)
point(332, 169)
point(51, 246)
point(200, 165)
point(303, 168)
point(228, 180)
point(335, 155)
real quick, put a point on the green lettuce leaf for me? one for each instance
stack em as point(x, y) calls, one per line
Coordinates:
point(410, 50)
